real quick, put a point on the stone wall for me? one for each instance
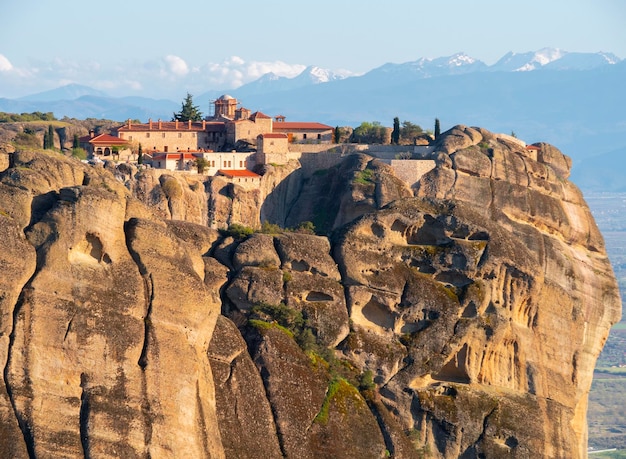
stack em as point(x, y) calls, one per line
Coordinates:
point(168, 140)
point(411, 170)
point(319, 157)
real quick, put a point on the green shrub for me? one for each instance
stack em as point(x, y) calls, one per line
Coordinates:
point(306, 227)
point(282, 314)
point(26, 140)
point(366, 380)
point(364, 177)
point(171, 187)
point(79, 153)
point(270, 228)
point(238, 231)
point(263, 325)
point(339, 389)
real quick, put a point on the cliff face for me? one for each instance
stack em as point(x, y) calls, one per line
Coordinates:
point(459, 319)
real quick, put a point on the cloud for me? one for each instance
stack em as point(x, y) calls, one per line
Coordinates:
point(164, 77)
point(5, 64)
point(235, 71)
point(176, 65)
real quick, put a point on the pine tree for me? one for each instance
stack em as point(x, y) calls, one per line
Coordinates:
point(437, 128)
point(188, 111)
point(395, 134)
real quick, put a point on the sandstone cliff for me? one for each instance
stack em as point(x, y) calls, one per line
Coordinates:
point(458, 319)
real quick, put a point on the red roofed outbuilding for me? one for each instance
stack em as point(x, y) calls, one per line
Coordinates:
point(303, 132)
point(244, 178)
point(104, 146)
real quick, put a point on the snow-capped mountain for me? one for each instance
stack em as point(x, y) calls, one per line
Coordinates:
point(552, 58)
point(583, 61)
point(270, 82)
point(317, 75)
point(426, 68)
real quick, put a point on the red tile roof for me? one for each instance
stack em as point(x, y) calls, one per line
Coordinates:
point(259, 115)
point(295, 125)
point(172, 126)
point(238, 173)
point(274, 135)
point(104, 139)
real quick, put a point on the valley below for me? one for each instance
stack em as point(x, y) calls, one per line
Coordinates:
point(606, 416)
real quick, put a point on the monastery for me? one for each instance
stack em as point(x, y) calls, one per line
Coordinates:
point(229, 140)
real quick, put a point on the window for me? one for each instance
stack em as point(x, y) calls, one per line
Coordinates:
point(213, 163)
point(130, 137)
point(319, 136)
point(193, 134)
point(180, 134)
point(240, 163)
point(163, 135)
point(147, 135)
point(304, 136)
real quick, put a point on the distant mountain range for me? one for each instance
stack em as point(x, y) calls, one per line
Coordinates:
point(573, 100)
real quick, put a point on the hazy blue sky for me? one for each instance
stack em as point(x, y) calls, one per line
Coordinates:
point(136, 47)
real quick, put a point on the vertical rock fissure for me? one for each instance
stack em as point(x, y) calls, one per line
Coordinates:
point(84, 416)
point(23, 423)
point(146, 408)
point(147, 320)
point(279, 434)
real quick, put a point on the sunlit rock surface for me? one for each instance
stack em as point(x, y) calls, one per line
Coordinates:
point(461, 318)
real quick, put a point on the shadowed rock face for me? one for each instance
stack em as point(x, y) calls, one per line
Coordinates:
point(462, 322)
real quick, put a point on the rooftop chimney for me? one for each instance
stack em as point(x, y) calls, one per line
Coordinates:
point(189, 124)
point(176, 124)
point(150, 123)
point(160, 124)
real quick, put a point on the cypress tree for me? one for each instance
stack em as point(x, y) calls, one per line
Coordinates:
point(75, 142)
point(140, 155)
point(50, 138)
point(337, 134)
point(395, 134)
point(437, 128)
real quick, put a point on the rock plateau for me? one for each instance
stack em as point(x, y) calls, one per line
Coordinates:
point(458, 318)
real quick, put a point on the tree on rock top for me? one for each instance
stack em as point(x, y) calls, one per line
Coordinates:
point(188, 111)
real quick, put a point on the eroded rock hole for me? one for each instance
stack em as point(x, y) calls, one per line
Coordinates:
point(378, 230)
point(378, 314)
point(455, 370)
point(470, 310)
point(479, 236)
point(89, 250)
point(318, 296)
point(454, 278)
point(300, 266)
